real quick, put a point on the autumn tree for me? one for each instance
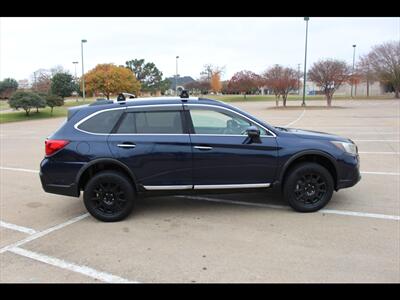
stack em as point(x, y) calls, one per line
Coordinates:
point(148, 74)
point(281, 81)
point(109, 79)
point(384, 61)
point(329, 75)
point(244, 82)
point(198, 87)
point(216, 85)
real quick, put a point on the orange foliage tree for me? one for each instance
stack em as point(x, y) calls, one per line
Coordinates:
point(216, 84)
point(110, 79)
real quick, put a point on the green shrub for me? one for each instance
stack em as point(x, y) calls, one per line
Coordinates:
point(26, 100)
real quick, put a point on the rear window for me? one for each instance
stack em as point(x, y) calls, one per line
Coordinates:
point(103, 122)
point(162, 122)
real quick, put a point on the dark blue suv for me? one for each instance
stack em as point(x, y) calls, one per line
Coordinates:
point(115, 151)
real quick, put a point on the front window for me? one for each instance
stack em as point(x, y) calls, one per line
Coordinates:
point(220, 123)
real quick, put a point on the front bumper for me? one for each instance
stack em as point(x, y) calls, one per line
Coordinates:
point(350, 173)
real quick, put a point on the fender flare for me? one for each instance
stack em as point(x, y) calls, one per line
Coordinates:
point(110, 161)
point(307, 152)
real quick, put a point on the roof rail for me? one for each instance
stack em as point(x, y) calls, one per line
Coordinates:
point(101, 102)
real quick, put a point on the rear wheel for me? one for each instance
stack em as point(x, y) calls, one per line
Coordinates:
point(308, 187)
point(109, 196)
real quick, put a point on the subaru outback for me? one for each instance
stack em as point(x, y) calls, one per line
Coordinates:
point(116, 151)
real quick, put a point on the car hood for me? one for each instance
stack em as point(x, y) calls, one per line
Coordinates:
point(309, 134)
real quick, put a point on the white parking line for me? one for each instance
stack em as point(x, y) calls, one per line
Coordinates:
point(328, 211)
point(369, 152)
point(381, 173)
point(291, 123)
point(43, 233)
point(19, 169)
point(394, 141)
point(17, 227)
point(103, 276)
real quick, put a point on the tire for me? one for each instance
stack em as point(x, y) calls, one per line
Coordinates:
point(308, 187)
point(109, 196)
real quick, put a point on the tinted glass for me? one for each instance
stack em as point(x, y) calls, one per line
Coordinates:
point(103, 122)
point(214, 122)
point(152, 122)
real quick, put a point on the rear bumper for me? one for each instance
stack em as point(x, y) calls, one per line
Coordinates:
point(59, 189)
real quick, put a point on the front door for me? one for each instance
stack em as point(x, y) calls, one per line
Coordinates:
point(223, 155)
point(154, 144)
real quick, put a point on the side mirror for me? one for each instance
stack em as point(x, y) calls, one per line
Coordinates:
point(253, 132)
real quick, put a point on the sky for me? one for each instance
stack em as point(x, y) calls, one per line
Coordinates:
point(28, 43)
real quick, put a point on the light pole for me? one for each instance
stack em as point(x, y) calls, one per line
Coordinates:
point(176, 77)
point(75, 63)
point(83, 71)
point(352, 72)
point(305, 64)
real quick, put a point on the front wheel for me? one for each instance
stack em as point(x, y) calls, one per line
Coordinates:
point(308, 187)
point(109, 196)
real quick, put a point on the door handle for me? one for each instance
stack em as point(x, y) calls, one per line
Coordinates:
point(126, 145)
point(203, 147)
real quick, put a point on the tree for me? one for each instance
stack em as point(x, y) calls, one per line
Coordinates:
point(25, 100)
point(365, 70)
point(62, 84)
point(164, 85)
point(198, 87)
point(281, 81)
point(244, 82)
point(385, 62)
point(216, 85)
point(108, 79)
point(54, 100)
point(329, 75)
point(7, 87)
point(41, 81)
point(148, 74)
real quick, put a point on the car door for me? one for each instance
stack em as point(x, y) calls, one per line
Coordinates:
point(223, 154)
point(154, 143)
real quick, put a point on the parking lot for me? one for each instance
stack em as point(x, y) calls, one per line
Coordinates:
point(212, 238)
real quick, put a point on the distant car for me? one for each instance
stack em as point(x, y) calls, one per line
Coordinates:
point(115, 151)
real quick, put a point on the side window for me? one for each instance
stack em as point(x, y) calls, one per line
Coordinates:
point(215, 122)
point(103, 122)
point(162, 122)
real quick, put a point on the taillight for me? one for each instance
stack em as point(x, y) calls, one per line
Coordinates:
point(54, 145)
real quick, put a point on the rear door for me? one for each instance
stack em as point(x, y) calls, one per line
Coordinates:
point(154, 143)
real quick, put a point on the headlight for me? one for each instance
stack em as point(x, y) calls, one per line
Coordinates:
point(346, 147)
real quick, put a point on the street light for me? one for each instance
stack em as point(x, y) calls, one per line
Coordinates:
point(305, 64)
point(83, 71)
point(176, 77)
point(352, 72)
point(75, 63)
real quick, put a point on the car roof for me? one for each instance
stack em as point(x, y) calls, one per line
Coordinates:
point(105, 104)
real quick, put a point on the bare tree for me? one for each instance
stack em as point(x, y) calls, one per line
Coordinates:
point(281, 80)
point(385, 63)
point(329, 75)
point(365, 71)
point(41, 81)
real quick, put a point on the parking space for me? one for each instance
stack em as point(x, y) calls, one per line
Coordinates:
point(211, 238)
